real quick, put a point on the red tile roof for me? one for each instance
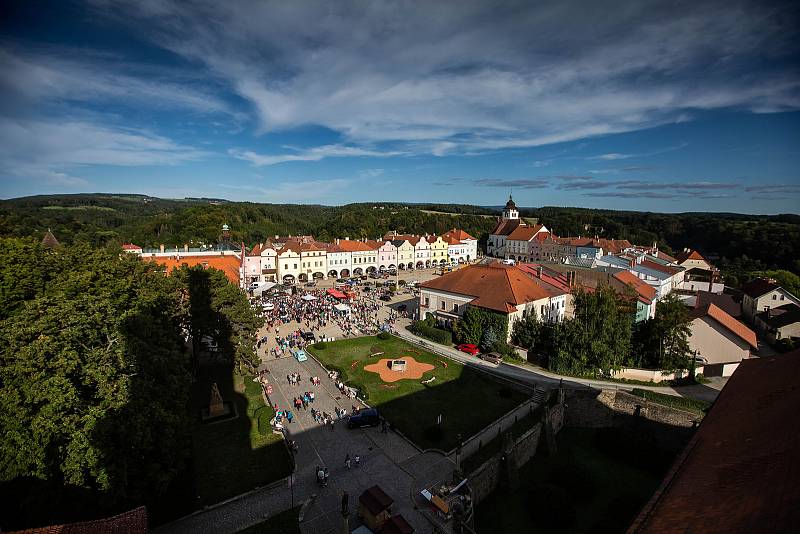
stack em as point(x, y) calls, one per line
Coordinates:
point(459, 234)
point(666, 257)
point(690, 255)
point(256, 251)
point(133, 522)
point(557, 281)
point(645, 291)
point(352, 245)
point(227, 264)
point(734, 326)
point(130, 246)
point(495, 286)
point(506, 226)
point(524, 233)
point(740, 471)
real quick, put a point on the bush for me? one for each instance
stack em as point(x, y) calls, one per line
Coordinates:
point(434, 433)
point(321, 345)
point(443, 337)
point(263, 417)
point(384, 336)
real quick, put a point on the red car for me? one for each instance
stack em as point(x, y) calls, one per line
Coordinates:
point(469, 348)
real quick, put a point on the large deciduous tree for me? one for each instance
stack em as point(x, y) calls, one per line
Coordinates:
point(597, 340)
point(663, 342)
point(93, 384)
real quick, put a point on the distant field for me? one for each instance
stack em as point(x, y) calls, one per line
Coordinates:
point(78, 208)
point(467, 399)
point(458, 214)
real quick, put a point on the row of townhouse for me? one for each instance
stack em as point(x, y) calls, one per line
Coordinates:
point(302, 258)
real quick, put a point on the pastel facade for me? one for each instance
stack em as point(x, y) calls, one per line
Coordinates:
point(439, 249)
point(387, 256)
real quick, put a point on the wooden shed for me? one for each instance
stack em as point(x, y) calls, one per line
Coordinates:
point(374, 507)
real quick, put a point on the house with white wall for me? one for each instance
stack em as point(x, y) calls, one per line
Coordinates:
point(760, 294)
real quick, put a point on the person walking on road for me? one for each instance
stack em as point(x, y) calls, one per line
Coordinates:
point(357, 460)
point(347, 461)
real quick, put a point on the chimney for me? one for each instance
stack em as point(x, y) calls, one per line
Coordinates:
point(162, 247)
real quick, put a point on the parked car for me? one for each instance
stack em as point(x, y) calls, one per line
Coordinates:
point(308, 336)
point(364, 418)
point(492, 357)
point(469, 348)
point(385, 298)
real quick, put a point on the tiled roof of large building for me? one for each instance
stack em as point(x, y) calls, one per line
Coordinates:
point(759, 286)
point(662, 268)
point(352, 245)
point(506, 226)
point(130, 246)
point(645, 291)
point(554, 281)
point(227, 264)
point(740, 470)
point(133, 522)
point(459, 234)
point(524, 233)
point(734, 326)
point(495, 286)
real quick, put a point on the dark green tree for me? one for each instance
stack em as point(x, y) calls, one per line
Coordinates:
point(94, 386)
point(663, 342)
point(597, 340)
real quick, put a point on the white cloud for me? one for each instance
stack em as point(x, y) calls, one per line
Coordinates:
point(317, 191)
point(46, 150)
point(370, 173)
point(468, 77)
point(310, 154)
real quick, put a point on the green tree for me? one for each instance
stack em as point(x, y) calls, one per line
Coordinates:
point(663, 342)
point(597, 340)
point(94, 386)
point(527, 332)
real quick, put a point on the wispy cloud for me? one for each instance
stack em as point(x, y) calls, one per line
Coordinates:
point(519, 183)
point(465, 80)
point(370, 173)
point(774, 189)
point(310, 154)
point(316, 191)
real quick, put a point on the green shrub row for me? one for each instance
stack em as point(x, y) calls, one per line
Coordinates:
point(437, 335)
point(263, 417)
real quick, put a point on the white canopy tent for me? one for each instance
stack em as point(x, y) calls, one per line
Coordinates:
point(344, 309)
point(257, 292)
point(308, 297)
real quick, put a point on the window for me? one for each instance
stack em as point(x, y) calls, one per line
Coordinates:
point(783, 297)
point(285, 265)
point(443, 305)
point(455, 308)
point(295, 266)
point(774, 297)
point(427, 302)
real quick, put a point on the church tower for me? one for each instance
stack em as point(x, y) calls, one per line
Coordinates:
point(510, 211)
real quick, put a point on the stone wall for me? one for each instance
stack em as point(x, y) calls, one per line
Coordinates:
point(499, 426)
point(588, 408)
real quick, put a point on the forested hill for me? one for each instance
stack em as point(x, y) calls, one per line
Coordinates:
point(738, 243)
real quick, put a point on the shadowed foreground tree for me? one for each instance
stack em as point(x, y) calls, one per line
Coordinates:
point(94, 383)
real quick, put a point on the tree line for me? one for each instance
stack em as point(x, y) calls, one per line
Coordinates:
point(95, 375)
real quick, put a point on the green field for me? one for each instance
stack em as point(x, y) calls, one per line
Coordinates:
point(468, 400)
point(233, 457)
point(589, 485)
point(78, 208)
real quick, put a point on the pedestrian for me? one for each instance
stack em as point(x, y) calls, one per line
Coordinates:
point(332, 423)
point(311, 396)
point(289, 415)
point(347, 461)
point(357, 459)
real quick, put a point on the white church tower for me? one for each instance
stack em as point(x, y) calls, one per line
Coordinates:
point(510, 211)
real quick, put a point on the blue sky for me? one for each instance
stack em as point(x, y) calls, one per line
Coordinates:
point(679, 106)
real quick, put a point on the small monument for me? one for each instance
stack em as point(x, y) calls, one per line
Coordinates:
point(217, 409)
point(215, 406)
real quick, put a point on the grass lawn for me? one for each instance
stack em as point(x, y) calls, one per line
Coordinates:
point(232, 457)
point(582, 488)
point(467, 399)
point(287, 522)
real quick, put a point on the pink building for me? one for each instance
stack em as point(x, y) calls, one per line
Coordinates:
point(387, 256)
